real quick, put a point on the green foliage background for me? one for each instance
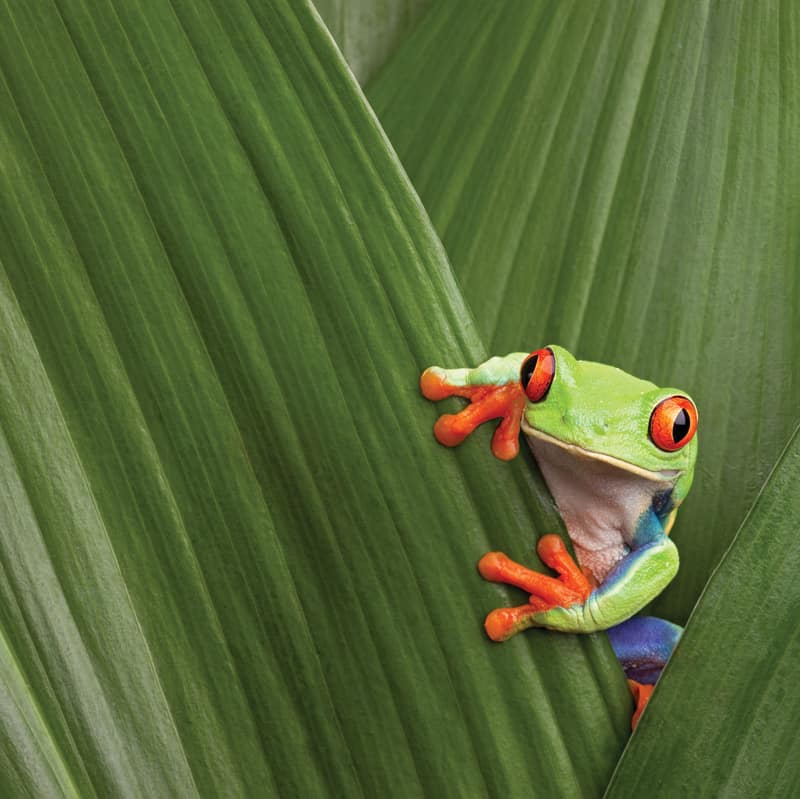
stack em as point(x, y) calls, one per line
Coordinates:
point(624, 182)
point(233, 561)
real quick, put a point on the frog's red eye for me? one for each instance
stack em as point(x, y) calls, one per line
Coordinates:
point(673, 423)
point(537, 373)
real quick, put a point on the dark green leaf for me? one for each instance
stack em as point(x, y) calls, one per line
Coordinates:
point(233, 561)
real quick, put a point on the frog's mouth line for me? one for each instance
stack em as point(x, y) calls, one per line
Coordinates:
point(580, 452)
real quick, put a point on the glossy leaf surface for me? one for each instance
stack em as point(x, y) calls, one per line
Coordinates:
point(623, 179)
point(233, 560)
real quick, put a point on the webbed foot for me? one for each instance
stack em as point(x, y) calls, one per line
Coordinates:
point(503, 400)
point(571, 587)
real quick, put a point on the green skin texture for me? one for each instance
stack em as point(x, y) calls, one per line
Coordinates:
point(605, 411)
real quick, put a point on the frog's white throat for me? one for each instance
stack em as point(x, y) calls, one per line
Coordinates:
point(600, 498)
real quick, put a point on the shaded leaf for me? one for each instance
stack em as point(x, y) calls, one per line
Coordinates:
point(723, 720)
point(624, 180)
point(233, 560)
point(369, 31)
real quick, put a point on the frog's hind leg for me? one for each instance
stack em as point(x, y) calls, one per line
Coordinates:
point(643, 645)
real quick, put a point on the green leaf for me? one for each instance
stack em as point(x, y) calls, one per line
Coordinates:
point(233, 561)
point(369, 31)
point(723, 720)
point(623, 179)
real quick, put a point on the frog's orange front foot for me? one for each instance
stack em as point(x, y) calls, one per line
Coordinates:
point(505, 402)
point(570, 588)
point(502, 623)
point(641, 695)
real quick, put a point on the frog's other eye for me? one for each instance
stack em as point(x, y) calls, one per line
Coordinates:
point(537, 373)
point(673, 423)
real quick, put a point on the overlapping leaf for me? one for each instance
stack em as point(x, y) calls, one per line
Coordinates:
point(623, 179)
point(232, 560)
point(723, 721)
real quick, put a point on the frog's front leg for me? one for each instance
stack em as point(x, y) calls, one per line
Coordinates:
point(572, 587)
point(636, 580)
point(494, 391)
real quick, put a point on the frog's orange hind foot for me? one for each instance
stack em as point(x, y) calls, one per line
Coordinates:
point(641, 695)
point(505, 402)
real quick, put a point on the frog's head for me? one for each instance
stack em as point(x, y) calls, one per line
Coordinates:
point(602, 413)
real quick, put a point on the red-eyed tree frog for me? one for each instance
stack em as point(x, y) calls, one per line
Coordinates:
point(617, 454)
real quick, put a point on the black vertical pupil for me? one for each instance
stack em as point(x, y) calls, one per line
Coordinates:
point(680, 427)
point(528, 369)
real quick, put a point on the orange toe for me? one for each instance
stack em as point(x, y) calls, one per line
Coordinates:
point(641, 695)
point(447, 430)
point(550, 546)
point(491, 566)
point(553, 552)
point(433, 385)
point(502, 623)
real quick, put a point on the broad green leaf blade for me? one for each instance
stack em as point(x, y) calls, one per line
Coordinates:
point(723, 721)
point(623, 179)
point(369, 31)
point(233, 560)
